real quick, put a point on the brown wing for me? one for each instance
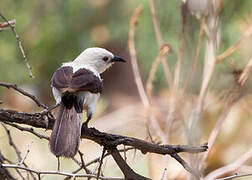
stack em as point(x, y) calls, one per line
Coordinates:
point(82, 80)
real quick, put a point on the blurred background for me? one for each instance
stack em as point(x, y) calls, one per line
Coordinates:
point(53, 32)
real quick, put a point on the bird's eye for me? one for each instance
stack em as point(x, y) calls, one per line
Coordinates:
point(105, 58)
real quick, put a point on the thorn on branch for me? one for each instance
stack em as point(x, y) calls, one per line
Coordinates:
point(164, 174)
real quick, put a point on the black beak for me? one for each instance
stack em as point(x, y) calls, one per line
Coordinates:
point(117, 59)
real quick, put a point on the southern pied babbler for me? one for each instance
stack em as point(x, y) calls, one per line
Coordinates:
point(76, 86)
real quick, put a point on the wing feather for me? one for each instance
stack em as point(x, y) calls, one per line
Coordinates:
point(82, 80)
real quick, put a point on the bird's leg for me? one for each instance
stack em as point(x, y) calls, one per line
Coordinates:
point(58, 163)
point(50, 108)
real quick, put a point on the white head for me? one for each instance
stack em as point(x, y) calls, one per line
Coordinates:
point(98, 58)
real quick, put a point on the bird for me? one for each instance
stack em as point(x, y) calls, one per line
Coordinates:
point(76, 86)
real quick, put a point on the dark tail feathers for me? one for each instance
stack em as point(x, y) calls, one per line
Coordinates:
point(65, 137)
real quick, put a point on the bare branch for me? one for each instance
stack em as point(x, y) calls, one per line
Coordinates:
point(162, 52)
point(216, 130)
point(4, 173)
point(106, 154)
point(30, 130)
point(181, 48)
point(197, 53)
point(39, 173)
point(127, 171)
point(12, 144)
point(132, 50)
point(25, 93)
point(233, 48)
point(109, 141)
point(100, 164)
point(236, 176)
point(160, 42)
point(245, 72)
point(230, 167)
point(139, 83)
point(19, 44)
point(104, 139)
point(83, 165)
point(26, 154)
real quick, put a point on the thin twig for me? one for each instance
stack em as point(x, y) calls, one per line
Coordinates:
point(132, 50)
point(235, 176)
point(185, 165)
point(181, 48)
point(19, 45)
point(4, 173)
point(160, 42)
point(229, 104)
point(245, 73)
point(107, 154)
point(230, 167)
point(209, 67)
point(100, 164)
point(26, 154)
point(49, 109)
point(83, 165)
point(39, 173)
point(13, 145)
point(139, 83)
point(233, 48)
point(196, 57)
point(174, 98)
point(27, 129)
point(216, 130)
point(25, 93)
point(162, 52)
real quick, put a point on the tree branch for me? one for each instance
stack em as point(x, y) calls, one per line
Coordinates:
point(127, 171)
point(110, 141)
